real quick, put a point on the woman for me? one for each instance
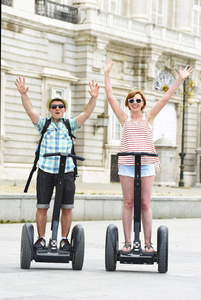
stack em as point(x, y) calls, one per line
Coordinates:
point(137, 137)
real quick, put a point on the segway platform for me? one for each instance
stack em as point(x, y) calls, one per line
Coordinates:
point(52, 254)
point(55, 256)
point(136, 255)
point(136, 258)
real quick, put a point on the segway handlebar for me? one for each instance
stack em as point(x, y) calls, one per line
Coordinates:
point(136, 153)
point(64, 154)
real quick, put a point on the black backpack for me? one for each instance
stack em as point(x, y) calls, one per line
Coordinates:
point(37, 153)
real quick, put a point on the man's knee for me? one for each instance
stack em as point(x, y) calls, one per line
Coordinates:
point(66, 211)
point(41, 211)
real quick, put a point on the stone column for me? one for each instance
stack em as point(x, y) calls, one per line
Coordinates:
point(88, 10)
point(183, 15)
point(139, 10)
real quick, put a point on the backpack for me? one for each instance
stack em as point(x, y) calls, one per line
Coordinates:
point(37, 153)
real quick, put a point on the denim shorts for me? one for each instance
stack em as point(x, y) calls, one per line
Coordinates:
point(45, 186)
point(147, 170)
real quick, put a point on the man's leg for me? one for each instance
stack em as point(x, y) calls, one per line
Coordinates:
point(45, 186)
point(66, 220)
point(67, 206)
point(41, 220)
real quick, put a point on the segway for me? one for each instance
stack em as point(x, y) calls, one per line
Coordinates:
point(136, 255)
point(52, 254)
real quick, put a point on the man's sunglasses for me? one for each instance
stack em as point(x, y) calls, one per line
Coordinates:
point(54, 106)
point(133, 100)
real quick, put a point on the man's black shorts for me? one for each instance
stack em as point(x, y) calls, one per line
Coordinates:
point(45, 186)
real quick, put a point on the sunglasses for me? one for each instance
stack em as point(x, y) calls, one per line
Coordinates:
point(60, 106)
point(135, 100)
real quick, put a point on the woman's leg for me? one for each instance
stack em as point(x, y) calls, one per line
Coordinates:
point(127, 184)
point(146, 189)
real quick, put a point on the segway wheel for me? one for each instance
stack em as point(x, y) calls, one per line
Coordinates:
point(111, 247)
point(26, 246)
point(162, 249)
point(78, 245)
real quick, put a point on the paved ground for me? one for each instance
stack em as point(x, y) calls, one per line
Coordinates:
point(111, 189)
point(136, 282)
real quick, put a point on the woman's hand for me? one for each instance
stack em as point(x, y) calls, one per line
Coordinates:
point(108, 66)
point(21, 86)
point(183, 74)
point(94, 89)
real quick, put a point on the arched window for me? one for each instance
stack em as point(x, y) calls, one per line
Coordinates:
point(164, 81)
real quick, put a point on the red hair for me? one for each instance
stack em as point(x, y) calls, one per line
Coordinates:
point(132, 94)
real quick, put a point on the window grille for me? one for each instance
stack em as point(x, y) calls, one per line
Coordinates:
point(7, 2)
point(57, 11)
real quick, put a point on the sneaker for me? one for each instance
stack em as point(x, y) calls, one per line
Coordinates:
point(65, 245)
point(40, 244)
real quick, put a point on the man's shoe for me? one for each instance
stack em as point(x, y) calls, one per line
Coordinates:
point(65, 245)
point(40, 244)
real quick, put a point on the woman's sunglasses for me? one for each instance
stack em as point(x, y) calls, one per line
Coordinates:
point(133, 100)
point(60, 106)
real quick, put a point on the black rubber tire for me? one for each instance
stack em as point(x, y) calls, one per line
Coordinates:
point(111, 248)
point(162, 249)
point(26, 249)
point(78, 245)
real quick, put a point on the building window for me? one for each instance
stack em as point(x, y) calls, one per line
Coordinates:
point(110, 6)
point(114, 127)
point(165, 124)
point(164, 81)
point(157, 12)
point(197, 17)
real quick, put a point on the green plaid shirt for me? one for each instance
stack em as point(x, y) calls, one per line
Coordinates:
point(56, 139)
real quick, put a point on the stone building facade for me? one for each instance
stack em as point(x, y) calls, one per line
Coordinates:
point(59, 46)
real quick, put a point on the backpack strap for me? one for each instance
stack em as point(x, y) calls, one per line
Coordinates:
point(37, 154)
point(67, 124)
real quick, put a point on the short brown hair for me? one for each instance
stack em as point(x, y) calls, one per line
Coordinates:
point(132, 94)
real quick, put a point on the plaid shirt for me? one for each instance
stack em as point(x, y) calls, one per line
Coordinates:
point(56, 139)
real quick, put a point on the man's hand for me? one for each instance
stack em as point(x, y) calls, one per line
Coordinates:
point(33, 115)
point(21, 86)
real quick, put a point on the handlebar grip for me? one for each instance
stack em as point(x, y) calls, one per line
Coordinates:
point(64, 154)
point(136, 153)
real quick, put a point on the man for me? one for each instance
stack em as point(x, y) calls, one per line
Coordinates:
point(56, 139)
